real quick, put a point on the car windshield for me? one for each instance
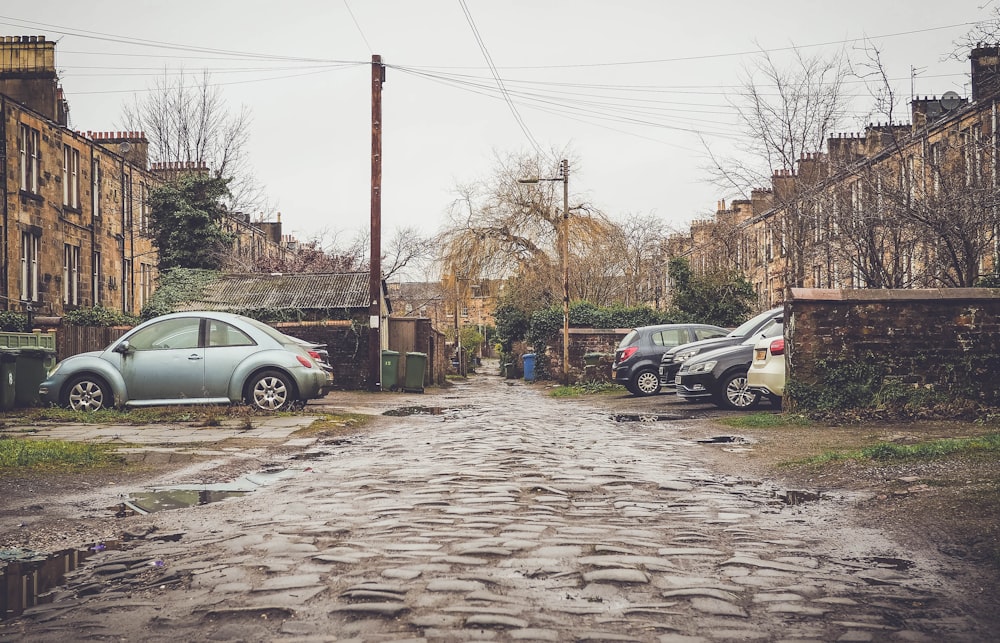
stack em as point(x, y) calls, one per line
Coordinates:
point(749, 325)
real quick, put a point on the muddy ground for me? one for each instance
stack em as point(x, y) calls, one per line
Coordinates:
point(949, 505)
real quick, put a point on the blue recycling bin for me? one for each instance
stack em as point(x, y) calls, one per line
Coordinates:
point(529, 366)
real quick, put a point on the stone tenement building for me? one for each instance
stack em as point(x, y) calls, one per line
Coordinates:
point(899, 206)
point(75, 219)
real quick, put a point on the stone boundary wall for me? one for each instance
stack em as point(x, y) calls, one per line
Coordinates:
point(944, 339)
point(581, 342)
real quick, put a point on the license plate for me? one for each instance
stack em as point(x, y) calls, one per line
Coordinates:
point(760, 354)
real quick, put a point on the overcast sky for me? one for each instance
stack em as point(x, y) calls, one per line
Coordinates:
point(632, 90)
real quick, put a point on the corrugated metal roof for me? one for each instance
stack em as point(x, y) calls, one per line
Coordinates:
point(299, 291)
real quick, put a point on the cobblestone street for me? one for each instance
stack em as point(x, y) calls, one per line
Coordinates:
point(508, 516)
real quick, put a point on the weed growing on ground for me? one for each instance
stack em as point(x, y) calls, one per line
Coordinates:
point(586, 388)
point(18, 453)
point(984, 444)
point(766, 421)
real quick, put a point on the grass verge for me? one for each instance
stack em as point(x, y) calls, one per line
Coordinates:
point(765, 421)
point(54, 455)
point(988, 443)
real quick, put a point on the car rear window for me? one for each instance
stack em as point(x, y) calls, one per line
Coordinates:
point(273, 333)
point(631, 338)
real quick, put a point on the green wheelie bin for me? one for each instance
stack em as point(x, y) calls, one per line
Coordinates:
point(32, 364)
point(390, 370)
point(416, 363)
point(8, 379)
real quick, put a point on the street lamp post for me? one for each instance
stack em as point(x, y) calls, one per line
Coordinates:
point(564, 177)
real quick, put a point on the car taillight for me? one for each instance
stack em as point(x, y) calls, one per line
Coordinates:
point(305, 362)
point(628, 352)
point(778, 346)
point(315, 356)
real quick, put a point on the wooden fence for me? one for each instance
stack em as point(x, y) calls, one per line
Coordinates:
point(71, 340)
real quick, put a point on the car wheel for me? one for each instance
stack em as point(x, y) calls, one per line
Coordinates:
point(734, 393)
point(87, 393)
point(646, 382)
point(270, 391)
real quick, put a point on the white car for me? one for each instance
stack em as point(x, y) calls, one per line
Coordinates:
point(767, 370)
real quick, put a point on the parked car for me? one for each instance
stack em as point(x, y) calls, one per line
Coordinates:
point(671, 361)
point(720, 375)
point(637, 357)
point(318, 352)
point(190, 358)
point(767, 371)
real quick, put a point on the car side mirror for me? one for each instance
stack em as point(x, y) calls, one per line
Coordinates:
point(124, 348)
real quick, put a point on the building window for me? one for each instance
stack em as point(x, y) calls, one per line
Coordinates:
point(145, 283)
point(95, 187)
point(937, 157)
point(96, 285)
point(71, 177)
point(29, 266)
point(857, 201)
point(971, 152)
point(27, 140)
point(71, 275)
point(127, 189)
point(143, 207)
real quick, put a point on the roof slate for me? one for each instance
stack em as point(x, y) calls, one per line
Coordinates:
point(281, 291)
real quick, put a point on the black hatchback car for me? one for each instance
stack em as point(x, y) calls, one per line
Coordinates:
point(720, 375)
point(637, 358)
point(671, 361)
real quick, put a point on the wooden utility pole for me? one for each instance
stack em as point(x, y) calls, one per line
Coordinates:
point(375, 262)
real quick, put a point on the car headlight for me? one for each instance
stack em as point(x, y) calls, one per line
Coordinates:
point(52, 371)
point(702, 367)
point(683, 356)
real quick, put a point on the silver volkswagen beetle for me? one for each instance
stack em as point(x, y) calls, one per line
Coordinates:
point(190, 358)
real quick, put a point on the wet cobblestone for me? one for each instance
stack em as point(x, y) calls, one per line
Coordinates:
point(512, 518)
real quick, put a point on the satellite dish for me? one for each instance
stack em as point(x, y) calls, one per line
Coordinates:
point(125, 147)
point(950, 100)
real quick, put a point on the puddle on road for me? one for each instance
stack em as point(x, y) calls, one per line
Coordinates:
point(147, 502)
point(28, 576)
point(799, 496)
point(724, 439)
point(183, 496)
point(414, 410)
point(885, 562)
point(644, 417)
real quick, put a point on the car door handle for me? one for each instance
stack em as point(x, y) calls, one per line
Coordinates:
point(194, 357)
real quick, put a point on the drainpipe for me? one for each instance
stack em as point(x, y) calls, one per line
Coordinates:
point(94, 287)
point(124, 282)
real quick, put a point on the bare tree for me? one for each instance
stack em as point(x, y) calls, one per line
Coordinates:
point(983, 31)
point(503, 227)
point(634, 259)
point(187, 120)
point(921, 211)
point(785, 114)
